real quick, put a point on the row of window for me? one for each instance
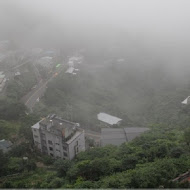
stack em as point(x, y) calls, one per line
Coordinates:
point(64, 153)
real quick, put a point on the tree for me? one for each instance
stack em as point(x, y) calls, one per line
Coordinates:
point(187, 136)
point(62, 166)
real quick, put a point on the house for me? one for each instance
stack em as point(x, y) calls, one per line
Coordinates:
point(183, 177)
point(5, 145)
point(70, 70)
point(186, 101)
point(117, 136)
point(58, 138)
point(108, 119)
point(2, 80)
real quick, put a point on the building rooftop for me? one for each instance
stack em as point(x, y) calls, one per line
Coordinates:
point(117, 136)
point(5, 145)
point(58, 126)
point(70, 70)
point(186, 101)
point(36, 126)
point(183, 177)
point(108, 118)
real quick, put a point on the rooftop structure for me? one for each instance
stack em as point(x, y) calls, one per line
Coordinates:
point(5, 145)
point(117, 136)
point(58, 137)
point(109, 119)
point(186, 101)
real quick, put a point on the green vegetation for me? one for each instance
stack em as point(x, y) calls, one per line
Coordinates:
point(150, 161)
point(18, 87)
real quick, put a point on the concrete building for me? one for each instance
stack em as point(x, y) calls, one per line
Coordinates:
point(117, 136)
point(58, 138)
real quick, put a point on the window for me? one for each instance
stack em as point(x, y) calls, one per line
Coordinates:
point(77, 143)
point(35, 130)
point(65, 148)
point(50, 148)
point(57, 150)
point(35, 136)
point(65, 154)
point(43, 135)
point(57, 143)
point(50, 142)
point(51, 154)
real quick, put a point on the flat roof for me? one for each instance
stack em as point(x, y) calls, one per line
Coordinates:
point(108, 118)
point(117, 136)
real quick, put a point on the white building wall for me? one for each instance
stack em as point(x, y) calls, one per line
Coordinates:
point(37, 138)
point(77, 144)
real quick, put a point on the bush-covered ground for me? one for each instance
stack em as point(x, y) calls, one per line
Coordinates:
point(150, 161)
point(148, 97)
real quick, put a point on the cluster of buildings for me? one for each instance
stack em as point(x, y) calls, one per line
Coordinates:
point(60, 138)
point(117, 136)
point(72, 62)
point(45, 62)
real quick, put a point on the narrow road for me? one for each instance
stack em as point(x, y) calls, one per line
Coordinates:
point(32, 97)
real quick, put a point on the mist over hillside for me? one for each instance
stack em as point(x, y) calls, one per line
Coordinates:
point(75, 74)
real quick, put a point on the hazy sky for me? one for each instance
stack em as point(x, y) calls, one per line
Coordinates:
point(162, 19)
point(162, 26)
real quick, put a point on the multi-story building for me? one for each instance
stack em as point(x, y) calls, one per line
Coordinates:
point(58, 138)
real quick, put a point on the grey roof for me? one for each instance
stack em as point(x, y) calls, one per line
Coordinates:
point(5, 145)
point(36, 126)
point(70, 70)
point(117, 136)
point(186, 101)
point(108, 118)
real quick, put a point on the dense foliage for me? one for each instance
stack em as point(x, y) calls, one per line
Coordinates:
point(150, 161)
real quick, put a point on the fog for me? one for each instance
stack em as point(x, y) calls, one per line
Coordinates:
point(153, 28)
